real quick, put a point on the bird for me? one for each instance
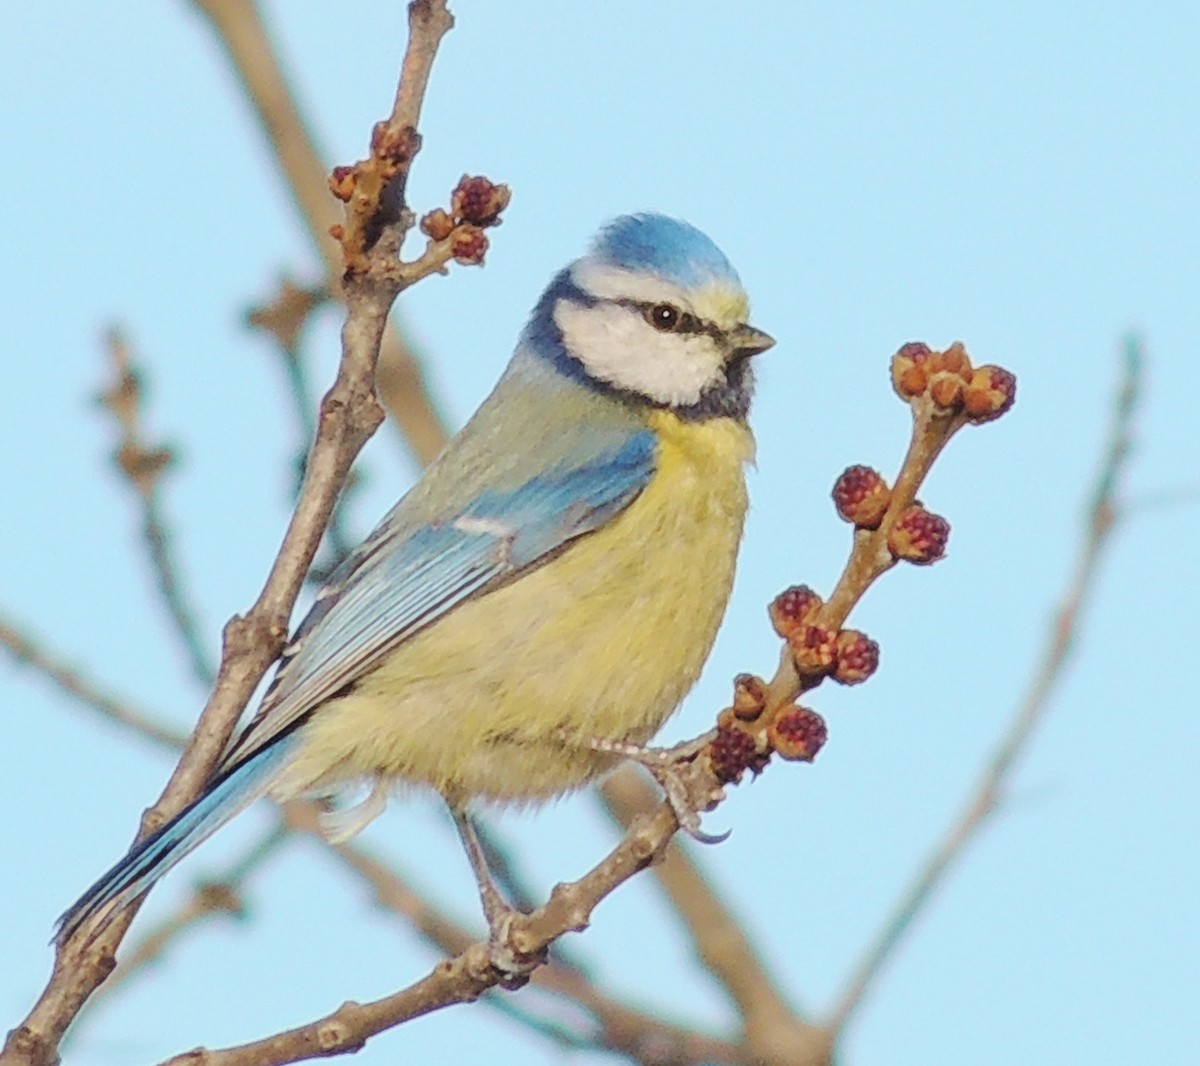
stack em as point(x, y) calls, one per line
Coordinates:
point(537, 605)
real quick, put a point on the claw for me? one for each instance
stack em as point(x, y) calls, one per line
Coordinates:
point(515, 967)
point(661, 765)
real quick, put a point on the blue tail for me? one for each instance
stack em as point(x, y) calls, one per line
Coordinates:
point(226, 796)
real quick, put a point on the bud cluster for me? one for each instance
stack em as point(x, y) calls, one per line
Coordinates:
point(475, 204)
point(951, 382)
point(846, 655)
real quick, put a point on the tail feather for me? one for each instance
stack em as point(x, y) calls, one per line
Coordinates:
point(147, 861)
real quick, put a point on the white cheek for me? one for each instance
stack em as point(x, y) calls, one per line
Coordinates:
point(620, 347)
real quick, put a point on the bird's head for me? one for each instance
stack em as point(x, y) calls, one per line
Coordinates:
point(657, 313)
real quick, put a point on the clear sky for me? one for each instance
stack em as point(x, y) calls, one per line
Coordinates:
point(1020, 176)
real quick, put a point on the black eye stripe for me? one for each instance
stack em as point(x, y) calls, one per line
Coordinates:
point(686, 323)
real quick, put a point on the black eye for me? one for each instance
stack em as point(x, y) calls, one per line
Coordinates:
point(664, 317)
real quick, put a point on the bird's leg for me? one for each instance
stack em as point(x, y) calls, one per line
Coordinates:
point(496, 909)
point(662, 765)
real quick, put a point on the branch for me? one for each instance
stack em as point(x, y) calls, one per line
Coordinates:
point(283, 318)
point(770, 1026)
point(375, 227)
point(28, 651)
point(143, 466)
point(1102, 516)
point(620, 1027)
point(240, 30)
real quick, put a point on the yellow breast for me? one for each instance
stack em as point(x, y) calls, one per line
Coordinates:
point(601, 642)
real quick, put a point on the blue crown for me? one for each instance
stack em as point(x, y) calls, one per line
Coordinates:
point(664, 246)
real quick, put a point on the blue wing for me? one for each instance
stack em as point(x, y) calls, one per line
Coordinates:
point(403, 578)
point(396, 584)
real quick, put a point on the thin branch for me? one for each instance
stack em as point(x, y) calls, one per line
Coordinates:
point(617, 1026)
point(241, 32)
point(29, 651)
point(770, 1025)
point(283, 318)
point(1103, 514)
point(349, 415)
point(143, 465)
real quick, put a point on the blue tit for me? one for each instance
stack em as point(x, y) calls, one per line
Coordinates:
point(539, 603)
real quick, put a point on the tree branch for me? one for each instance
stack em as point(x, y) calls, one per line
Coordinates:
point(29, 651)
point(771, 1028)
point(1102, 516)
point(143, 466)
point(241, 32)
point(349, 414)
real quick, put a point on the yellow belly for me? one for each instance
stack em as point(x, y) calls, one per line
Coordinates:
point(602, 642)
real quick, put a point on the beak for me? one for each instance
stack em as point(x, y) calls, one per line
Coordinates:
point(746, 341)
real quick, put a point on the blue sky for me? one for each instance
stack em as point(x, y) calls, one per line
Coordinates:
point(1021, 177)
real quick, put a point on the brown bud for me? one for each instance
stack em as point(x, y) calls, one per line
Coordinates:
point(919, 536)
point(992, 391)
point(792, 608)
point(342, 181)
point(470, 245)
point(749, 696)
point(394, 146)
point(479, 201)
point(908, 376)
point(861, 496)
point(946, 389)
point(857, 657)
point(732, 752)
point(956, 361)
point(797, 734)
point(437, 225)
point(814, 649)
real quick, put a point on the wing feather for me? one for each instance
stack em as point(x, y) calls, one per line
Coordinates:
point(398, 582)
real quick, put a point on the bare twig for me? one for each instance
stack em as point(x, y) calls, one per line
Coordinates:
point(31, 652)
point(283, 318)
point(240, 30)
point(349, 415)
point(143, 465)
point(1102, 515)
point(617, 1026)
point(771, 1028)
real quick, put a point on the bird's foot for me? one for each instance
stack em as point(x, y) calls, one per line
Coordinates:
point(664, 765)
point(515, 966)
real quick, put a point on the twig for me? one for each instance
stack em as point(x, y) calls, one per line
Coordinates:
point(143, 465)
point(284, 318)
point(770, 1026)
point(30, 652)
point(460, 979)
point(618, 1026)
point(349, 415)
point(240, 30)
point(1102, 515)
